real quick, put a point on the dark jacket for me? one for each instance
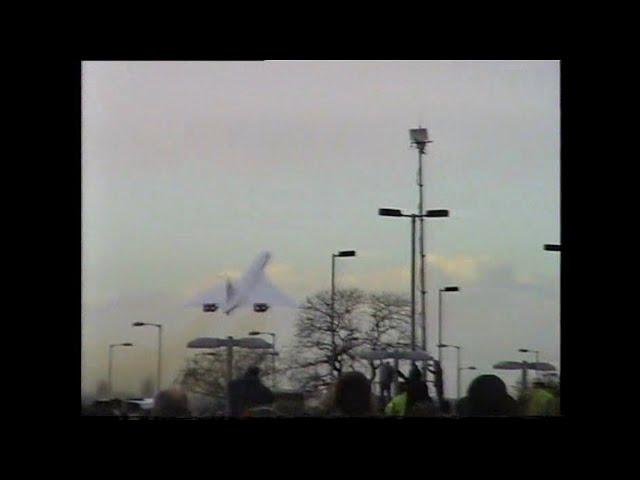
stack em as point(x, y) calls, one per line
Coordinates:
point(246, 393)
point(487, 397)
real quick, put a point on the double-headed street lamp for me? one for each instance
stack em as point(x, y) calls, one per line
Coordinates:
point(392, 212)
point(274, 353)
point(111, 347)
point(343, 253)
point(440, 291)
point(159, 327)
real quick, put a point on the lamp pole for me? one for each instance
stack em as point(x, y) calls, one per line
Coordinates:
point(458, 348)
point(343, 253)
point(159, 368)
point(420, 137)
point(458, 375)
point(229, 372)
point(413, 281)
point(392, 212)
point(537, 352)
point(111, 347)
point(440, 291)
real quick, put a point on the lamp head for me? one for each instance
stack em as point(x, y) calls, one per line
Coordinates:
point(451, 289)
point(419, 136)
point(346, 253)
point(138, 324)
point(439, 213)
point(389, 212)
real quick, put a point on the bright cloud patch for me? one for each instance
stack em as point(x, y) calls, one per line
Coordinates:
point(462, 266)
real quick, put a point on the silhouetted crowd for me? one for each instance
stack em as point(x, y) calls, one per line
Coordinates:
point(351, 395)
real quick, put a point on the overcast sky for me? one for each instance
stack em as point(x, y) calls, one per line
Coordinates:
point(190, 169)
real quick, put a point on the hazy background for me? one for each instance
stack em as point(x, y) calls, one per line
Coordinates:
point(190, 169)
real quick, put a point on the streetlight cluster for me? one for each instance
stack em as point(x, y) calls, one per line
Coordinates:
point(419, 138)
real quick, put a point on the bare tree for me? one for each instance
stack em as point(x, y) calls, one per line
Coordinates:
point(323, 345)
point(388, 325)
point(205, 374)
point(379, 321)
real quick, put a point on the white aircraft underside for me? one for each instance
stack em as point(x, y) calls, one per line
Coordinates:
point(253, 289)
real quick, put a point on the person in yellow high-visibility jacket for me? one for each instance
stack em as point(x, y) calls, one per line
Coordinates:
point(397, 406)
point(414, 401)
point(540, 402)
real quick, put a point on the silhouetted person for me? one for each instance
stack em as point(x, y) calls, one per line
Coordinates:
point(419, 403)
point(387, 375)
point(248, 392)
point(445, 408)
point(487, 397)
point(438, 381)
point(415, 374)
point(171, 403)
point(351, 396)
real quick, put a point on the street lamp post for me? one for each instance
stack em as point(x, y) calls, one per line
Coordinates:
point(420, 137)
point(458, 368)
point(537, 352)
point(159, 369)
point(392, 212)
point(273, 348)
point(445, 289)
point(125, 344)
point(343, 253)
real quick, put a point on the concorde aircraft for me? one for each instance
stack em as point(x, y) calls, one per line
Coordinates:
point(252, 289)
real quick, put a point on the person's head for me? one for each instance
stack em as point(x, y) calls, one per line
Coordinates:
point(487, 396)
point(352, 395)
point(171, 403)
point(417, 394)
point(415, 374)
point(417, 391)
point(252, 372)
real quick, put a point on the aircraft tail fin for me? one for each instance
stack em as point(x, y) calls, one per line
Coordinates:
point(229, 292)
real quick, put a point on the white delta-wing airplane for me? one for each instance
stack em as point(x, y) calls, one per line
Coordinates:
point(252, 289)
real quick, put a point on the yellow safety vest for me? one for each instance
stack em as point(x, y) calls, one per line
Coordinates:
point(540, 403)
point(397, 406)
